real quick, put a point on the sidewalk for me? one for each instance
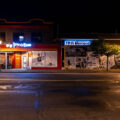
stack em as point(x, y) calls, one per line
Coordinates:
point(60, 71)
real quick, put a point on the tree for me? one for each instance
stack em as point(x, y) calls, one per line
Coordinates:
point(101, 47)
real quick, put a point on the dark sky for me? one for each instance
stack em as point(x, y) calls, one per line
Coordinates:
point(71, 15)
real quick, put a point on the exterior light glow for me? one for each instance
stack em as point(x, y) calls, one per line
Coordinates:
point(9, 45)
point(0, 42)
point(21, 37)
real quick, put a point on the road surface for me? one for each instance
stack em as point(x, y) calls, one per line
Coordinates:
point(56, 96)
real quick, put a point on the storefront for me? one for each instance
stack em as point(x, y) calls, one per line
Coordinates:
point(79, 55)
point(27, 56)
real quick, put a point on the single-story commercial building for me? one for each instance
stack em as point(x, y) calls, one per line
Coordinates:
point(28, 56)
point(77, 52)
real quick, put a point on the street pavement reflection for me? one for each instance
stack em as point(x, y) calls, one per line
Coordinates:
point(97, 99)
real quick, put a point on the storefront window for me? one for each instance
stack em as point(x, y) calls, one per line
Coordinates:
point(44, 59)
point(9, 60)
point(2, 61)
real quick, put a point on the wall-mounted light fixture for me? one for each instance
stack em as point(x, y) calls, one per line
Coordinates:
point(0, 42)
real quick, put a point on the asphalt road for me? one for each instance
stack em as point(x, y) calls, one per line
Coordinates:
point(52, 96)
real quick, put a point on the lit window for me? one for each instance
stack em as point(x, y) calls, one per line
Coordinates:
point(21, 38)
point(18, 37)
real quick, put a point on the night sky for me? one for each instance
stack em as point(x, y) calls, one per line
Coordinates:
point(75, 16)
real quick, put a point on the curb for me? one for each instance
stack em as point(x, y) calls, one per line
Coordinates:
point(59, 71)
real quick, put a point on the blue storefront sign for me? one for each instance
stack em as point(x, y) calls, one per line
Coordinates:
point(77, 41)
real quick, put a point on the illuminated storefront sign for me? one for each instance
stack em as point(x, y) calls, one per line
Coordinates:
point(18, 45)
point(22, 45)
point(77, 42)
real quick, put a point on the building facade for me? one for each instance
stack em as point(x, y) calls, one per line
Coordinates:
point(31, 45)
point(28, 45)
point(77, 52)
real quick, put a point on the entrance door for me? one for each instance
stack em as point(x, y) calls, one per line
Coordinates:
point(24, 61)
point(17, 60)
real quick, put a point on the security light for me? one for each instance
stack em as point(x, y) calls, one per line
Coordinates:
point(0, 42)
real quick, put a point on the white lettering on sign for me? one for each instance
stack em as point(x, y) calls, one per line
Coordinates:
point(18, 45)
point(77, 42)
point(22, 44)
point(9, 45)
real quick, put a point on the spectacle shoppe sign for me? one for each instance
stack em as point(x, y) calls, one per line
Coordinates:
point(14, 45)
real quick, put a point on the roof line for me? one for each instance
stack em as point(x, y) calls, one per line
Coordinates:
point(26, 22)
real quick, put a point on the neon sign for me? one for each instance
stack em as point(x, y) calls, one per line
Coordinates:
point(77, 42)
point(22, 44)
point(13, 45)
